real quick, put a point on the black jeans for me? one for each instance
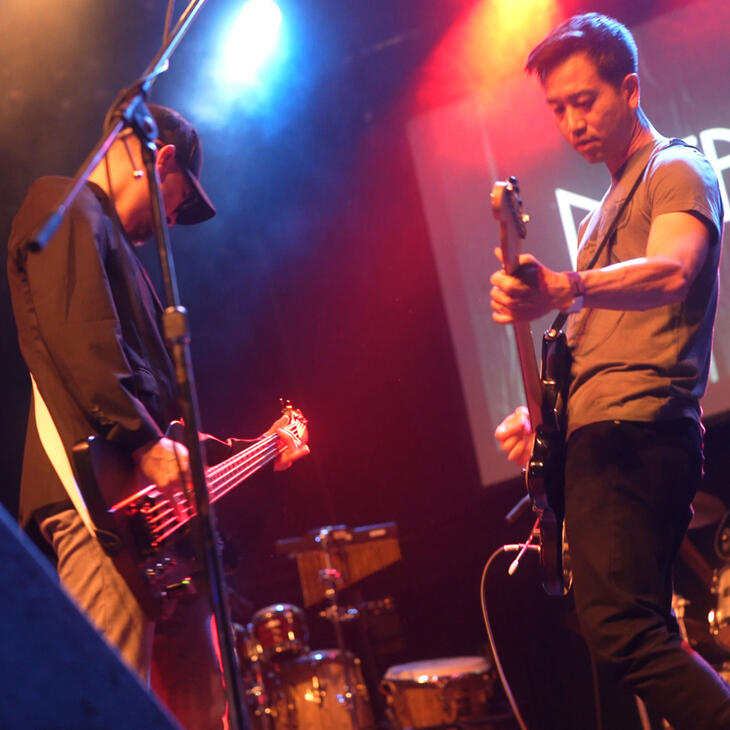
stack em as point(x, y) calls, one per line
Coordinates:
point(628, 491)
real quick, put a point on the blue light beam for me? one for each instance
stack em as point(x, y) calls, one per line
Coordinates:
point(252, 41)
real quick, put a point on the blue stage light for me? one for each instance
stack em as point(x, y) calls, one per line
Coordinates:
point(252, 40)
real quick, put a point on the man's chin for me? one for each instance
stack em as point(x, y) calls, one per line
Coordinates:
point(140, 236)
point(591, 154)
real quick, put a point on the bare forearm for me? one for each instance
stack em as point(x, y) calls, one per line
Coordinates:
point(675, 253)
point(637, 284)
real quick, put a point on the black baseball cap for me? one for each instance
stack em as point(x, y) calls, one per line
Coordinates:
point(174, 129)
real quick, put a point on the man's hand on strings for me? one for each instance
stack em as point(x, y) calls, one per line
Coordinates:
point(165, 463)
point(533, 292)
point(296, 447)
point(515, 436)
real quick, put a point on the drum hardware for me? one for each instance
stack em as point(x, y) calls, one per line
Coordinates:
point(355, 553)
point(259, 697)
point(333, 558)
point(343, 614)
point(719, 618)
point(330, 577)
point(722, 538)
point(374, 608)
point(693, 631)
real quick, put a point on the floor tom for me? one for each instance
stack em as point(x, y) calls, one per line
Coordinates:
point(323, 690)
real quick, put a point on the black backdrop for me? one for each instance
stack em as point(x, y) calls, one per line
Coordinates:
point(317, 282)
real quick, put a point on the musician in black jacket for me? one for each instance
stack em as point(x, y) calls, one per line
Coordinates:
point(88, 324)
point(639, 333)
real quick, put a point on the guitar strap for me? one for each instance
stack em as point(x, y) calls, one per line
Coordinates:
point(56, 453)
point(562, 317)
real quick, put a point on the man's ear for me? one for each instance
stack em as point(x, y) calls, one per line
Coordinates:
point(165, 160)
point(630, 86)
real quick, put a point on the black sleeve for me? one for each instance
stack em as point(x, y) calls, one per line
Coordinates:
point(68, 325)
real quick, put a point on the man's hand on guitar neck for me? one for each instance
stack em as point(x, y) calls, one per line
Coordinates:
point(515, 436)
point(536, 291)
point(296, 447)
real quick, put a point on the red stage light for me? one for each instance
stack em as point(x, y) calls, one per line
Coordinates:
point(487, 45)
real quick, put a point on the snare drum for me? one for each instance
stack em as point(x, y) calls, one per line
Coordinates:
point(278, 632)
point(311, 693)
point(438, 692)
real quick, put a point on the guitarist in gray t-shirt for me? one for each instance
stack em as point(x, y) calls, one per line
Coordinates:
point(639, 335)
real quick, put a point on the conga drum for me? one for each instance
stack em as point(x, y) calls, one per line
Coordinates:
point(438, 692)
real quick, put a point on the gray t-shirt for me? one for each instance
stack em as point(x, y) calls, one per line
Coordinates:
point(651, 365)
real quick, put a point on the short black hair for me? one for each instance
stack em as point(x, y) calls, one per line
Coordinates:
point(608, 43)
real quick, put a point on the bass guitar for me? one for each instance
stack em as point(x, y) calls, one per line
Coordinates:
point(545, 392)
point(138, 526)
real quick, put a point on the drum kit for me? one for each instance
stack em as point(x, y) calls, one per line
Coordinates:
point(291, 687)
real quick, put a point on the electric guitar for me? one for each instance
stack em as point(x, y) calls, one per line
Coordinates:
point(140, 529)
point(545, 394)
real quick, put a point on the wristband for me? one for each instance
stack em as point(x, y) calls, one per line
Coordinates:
point(577, 289)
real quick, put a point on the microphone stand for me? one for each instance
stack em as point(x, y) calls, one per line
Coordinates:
point(129, 110)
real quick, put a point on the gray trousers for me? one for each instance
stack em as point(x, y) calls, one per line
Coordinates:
point(89, 576)
point(186, 671)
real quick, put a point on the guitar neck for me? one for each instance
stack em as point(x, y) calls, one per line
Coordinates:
point(507, 208)
point(227, 474)
point(220, 478)
point(529, 371)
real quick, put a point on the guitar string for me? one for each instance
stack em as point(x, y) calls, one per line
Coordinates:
point(213, 476)
point(215, 473)
point(164, 507)
point(219, 483)
point(160, 531)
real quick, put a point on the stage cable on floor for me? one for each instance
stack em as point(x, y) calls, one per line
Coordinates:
point(520, 549)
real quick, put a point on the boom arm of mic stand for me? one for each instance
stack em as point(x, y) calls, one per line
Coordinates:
point(126, 102)
point(39, 240)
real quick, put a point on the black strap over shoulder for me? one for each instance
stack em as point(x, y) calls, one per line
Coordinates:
point(560, 320)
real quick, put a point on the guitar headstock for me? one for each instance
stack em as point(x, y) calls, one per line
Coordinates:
point(507, 209)
point(297, 425)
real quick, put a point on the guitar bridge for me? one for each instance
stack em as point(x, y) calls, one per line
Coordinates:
point(140, 528)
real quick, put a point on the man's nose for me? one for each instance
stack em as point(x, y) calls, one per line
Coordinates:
point(575, 121)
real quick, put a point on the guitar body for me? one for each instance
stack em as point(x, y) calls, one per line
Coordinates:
point(546, 469)
point(545, 393)
point(107, 477)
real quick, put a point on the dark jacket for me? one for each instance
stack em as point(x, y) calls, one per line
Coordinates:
point(88, 324)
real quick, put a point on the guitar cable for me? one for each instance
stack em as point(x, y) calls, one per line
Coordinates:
point(521, 549)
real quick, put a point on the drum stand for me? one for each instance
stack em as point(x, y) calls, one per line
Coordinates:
point(262, 708)
point(329, 576)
